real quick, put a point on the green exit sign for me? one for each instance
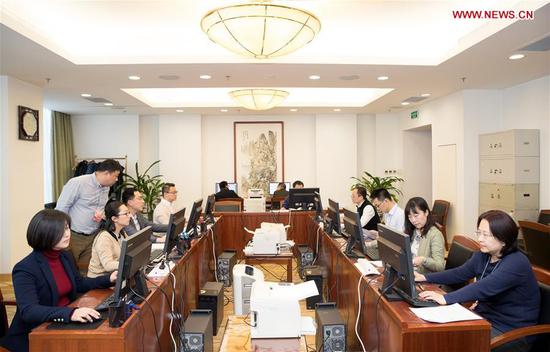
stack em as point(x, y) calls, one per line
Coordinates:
point(414, 114)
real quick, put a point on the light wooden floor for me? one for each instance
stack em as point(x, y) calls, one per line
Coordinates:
point(272, 272)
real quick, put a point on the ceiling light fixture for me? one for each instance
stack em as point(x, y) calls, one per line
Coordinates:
point(260, 29)
point(516, 57)
point(314, 77)
point(293, 110)
point(179, 110)
point(405, 103)
point(383, 78)
point(337, 110)
point(108, 104)
point(205, 76)
point(224, 110)
point(134, 78)
point(259, 98)
point(85, 95)
point(425, 95)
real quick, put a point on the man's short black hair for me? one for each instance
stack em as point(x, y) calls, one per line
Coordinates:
point(297, 183)
point(166, 187)
point(381, 194)
point(362, 191)
point(109, 165)
point(128, 194)
point(47, 228)
point(281, 185)
point(223, 184)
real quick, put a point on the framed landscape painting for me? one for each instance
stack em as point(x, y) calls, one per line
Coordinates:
point(258, 154)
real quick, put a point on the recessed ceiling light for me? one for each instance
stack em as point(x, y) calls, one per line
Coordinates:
point(314, 77)
point(405, 103)
point(293, 110)
point(134, 78)
point(516, 57)
point(108, 104)
point(383, 78)
point(337, 109)
point(85, 95)
point(179, 110)
point(224, 110)
point(425, 95)
point(205, 76)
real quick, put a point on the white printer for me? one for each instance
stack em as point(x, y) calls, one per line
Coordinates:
point(255, 201)
point(243, 278)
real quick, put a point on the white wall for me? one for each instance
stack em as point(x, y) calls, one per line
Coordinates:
point(21, 171)
point(149, 142)
point(366, 144)
point(107, 136)
point(417, 165)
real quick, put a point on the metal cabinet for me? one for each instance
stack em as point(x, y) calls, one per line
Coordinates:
point(524, 169)
point(512, 143)
point(522, 196)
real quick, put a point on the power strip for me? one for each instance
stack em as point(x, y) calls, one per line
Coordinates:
point(158, 272)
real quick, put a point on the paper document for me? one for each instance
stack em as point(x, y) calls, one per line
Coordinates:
point(305, 290)
point(307, 326)
point(157, 246)
point(445, 314)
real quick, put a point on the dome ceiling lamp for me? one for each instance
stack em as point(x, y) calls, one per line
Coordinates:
point(260, 29)
point(258, 98)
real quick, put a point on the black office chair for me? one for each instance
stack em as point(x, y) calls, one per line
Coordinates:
point(4, 315)
point(544, 217)
point(51, 205)
point(228, 205)
point(537, 241)
point(542, 329)
point(462, 248)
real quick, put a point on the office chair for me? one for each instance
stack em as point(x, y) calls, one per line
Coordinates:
point(4, 315)
point(229, 205)
point(537, 241)
point(462, 248)
point(51, 205)
point(440, 210)
point(544, 217)
point(276, 202)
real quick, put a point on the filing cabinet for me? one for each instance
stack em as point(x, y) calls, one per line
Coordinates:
point(509, 173)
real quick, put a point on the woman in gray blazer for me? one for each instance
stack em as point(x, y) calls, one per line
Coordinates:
point(427, 243)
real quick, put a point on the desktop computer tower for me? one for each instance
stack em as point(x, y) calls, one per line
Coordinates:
point(315, 273)
point(331, 330)
point(196, 335)
point(305, 257)
point(211, 297)
point(225, 264)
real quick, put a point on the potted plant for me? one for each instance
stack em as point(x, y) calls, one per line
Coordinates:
point(371, 183)
point(149, 186)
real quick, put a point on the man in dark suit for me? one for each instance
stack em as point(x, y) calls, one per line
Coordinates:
point(225, 192)
point(133, 199)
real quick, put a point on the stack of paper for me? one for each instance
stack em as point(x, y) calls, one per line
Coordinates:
point(445, 314)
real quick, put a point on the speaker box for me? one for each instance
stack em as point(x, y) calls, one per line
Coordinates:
point(211, 297)
point(331, 330)
point(225, 264)
point(315, 273)
point(196, 335)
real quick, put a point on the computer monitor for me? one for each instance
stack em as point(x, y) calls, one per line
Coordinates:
point(134, 257)
point(196, 210)
point(302, 198)
point(354, 232)
point(209, 209)
point(318, 207)
point(332, 222)
point(232, 186)
point(273, 186)
point(395, 252)
point(176, 225)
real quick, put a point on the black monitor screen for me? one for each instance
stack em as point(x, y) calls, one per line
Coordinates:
point(176, 226)
point(134, 256)
point(273, 186)
point(302, 198)
point(354, 232)
point(333, 217)
point(318, 207)
point(209, 208)
point(395, 251)
point(196, 211)
point(232, 186)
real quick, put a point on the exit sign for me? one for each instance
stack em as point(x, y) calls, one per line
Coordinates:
point(414, 114)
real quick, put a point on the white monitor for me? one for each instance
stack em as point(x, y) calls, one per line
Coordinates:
point(232, 186)
point(273, 186)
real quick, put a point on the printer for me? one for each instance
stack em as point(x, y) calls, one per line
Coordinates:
point(255, 201)
point(269, 239)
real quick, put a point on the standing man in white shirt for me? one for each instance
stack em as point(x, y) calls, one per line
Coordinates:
point(165, 208)
point(394, 216)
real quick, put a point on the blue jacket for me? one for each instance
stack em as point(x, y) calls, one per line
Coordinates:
point(508, 297)
point(37, 296)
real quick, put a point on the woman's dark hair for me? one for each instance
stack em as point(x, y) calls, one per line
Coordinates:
point(503, 228)
point(414, 205)
point(111, 209)
point(47, 228)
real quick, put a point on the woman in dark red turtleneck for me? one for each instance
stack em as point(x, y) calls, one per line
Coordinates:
point(47, 280)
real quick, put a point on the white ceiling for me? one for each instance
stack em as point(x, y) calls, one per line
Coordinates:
point(92, 47)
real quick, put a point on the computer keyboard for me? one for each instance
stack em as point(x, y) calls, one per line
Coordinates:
point(372, 253)
point(417, 302)
point(155, 254)
point(104, 305)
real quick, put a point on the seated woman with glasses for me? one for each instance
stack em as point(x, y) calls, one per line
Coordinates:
point(47, 280)
point(505, 291)
point(427, 242)
point(106, 246)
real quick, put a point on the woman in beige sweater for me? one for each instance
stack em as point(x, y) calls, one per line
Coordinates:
point(427, 242)
point(106, 246)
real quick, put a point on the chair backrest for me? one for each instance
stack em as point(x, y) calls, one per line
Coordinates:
point(3, 317)
point(440, 210)
point(542, 343)
point(276, 202)
point(544, 217)
point(462, 248)
point(537, 241)
point(51, 205)
point(228, 205)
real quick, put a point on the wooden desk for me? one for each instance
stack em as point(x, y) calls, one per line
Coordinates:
point(399, 329)
point(284, 258)
point(138, 332)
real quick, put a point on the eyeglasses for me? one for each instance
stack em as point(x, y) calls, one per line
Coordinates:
point(480, 233)
point(124, 214)
point(175, 192)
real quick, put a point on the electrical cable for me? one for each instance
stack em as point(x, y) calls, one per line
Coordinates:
point(359, 306)
point(152, 313)
point(214, 254)
point(376, 309)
